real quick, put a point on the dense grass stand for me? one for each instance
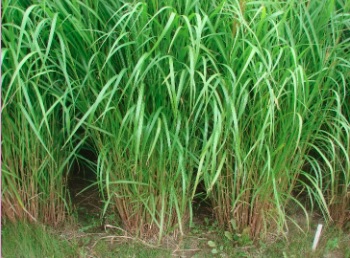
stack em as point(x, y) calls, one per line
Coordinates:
point(247, 99)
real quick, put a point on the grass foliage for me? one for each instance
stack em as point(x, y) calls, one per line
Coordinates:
point(24, 240)
point(248, 98)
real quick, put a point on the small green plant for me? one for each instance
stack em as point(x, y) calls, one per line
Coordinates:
point(332, 244)
point(238, 239)
point(214, 248)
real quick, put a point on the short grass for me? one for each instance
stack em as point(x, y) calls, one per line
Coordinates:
point(203, 240)
point(28, 240)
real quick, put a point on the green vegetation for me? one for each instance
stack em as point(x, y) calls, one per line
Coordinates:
point(247, 99)
point(23, 240)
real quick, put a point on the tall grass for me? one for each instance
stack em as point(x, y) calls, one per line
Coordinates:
point(287, 72)
point(36, 118)
point(249, 98)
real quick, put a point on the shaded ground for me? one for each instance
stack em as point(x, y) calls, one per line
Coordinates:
point(87, 204)
point(95, 238)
